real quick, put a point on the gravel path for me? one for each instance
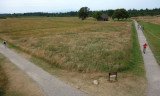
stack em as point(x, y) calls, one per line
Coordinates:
point(51, 85)
point(151, 65)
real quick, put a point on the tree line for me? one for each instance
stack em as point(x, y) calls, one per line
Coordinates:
point(131, 13)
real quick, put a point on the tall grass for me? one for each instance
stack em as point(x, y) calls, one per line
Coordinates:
point(73, 45)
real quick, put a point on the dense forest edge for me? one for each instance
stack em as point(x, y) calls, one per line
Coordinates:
point(132, 13)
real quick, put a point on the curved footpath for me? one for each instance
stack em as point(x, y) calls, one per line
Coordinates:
point(151, 66)
point(51, 85)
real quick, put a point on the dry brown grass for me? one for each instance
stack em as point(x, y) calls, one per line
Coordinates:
point(127, 84)
point(3, 78)
point(70, 43)
point(19, 84)
point(150, 19)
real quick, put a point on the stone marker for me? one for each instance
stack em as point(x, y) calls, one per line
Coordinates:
point(95, 82)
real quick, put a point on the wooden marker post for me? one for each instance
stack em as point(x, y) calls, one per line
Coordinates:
point(113, 74)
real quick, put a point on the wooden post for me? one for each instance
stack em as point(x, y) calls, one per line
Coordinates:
point(113, 73)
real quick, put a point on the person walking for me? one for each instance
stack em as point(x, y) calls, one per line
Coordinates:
point(4, 42)
point(144, 48)
point(143, 27)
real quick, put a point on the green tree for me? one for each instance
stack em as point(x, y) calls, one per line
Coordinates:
point(83, 13)
point(97, 14)
point(110, 12)
point(113, 17)
point(120, 14)
point(117, 14)
point(125, 14)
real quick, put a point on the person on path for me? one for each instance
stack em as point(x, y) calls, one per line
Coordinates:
point(143, 27)
point(140, 27)
point(144, 48)
point(4, 42)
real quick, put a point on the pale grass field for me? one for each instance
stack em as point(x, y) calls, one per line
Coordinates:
point(72, 44)
point(87, 49)
point(150, 19)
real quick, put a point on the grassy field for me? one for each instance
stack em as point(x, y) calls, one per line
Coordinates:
point(152, 32)
point(130, 83)
point(81, 47)
point(72, 44)
point(150, 19)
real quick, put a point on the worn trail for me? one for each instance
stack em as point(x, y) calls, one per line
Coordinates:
point(51, 85)
point(151, 65)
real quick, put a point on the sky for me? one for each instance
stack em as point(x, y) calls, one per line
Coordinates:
point(24, 6)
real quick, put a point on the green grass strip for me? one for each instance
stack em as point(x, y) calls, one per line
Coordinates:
point(152, 33)
point(136, 58)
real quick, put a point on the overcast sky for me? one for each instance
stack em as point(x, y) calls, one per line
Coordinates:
point(21, 6)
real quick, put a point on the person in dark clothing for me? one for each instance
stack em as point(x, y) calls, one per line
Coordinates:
point(4, 42)
point(144, 48)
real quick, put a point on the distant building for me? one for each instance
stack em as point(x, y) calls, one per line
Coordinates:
point(104, 17)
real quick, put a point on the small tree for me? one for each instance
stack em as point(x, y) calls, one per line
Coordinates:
point(120, 14)
point(83, 13)
point(110, 12)
point(113, 17)
point(97, 15)
point(125, 14)
point(117, 14)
